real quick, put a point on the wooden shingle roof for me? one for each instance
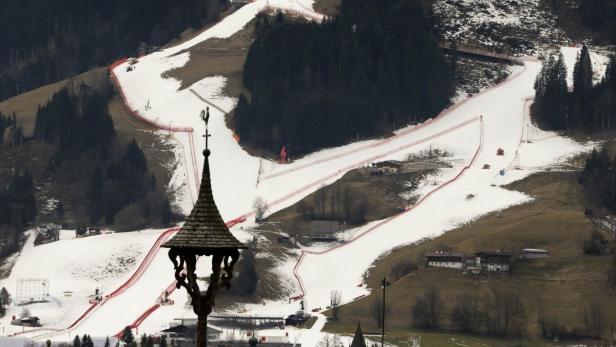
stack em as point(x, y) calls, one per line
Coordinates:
point(204, 227)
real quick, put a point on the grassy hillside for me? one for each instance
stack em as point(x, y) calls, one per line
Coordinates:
point(25, 105)
point(69, 183)
point(563, 284)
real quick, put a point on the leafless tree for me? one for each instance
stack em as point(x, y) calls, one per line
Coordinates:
point(346, 202)
point(25, 313)
point(330, 340)
point(377, 310)
point(594, 320)
point(516, 315)
point(504, 314)
point(428, 309)
point(320, 197)
point(335, 298)
point(466, 314)
point(542, 320)
point(260, 207)
point(611, 274)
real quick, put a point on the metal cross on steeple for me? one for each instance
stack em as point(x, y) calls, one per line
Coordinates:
point(205, 116)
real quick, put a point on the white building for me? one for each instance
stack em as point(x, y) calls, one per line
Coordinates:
point(495, 261)
point(452, 260)
point(185, 329)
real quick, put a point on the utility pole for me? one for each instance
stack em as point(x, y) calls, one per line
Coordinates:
point(384, 284)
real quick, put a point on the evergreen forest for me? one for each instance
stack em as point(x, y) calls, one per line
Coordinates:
point(50, 41)
point(599, 180)
point(586, 107)
point(600, 17)
point(17, 210)
point(120, 186)
point(373, 68)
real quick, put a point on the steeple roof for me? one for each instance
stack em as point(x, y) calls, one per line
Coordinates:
point(204, 227)
point(358, 339)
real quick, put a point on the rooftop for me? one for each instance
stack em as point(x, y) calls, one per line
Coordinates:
point(204, 228)
point(445, 254)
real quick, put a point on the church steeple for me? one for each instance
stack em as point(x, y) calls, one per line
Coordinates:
point(358, 339)
point(204, 228)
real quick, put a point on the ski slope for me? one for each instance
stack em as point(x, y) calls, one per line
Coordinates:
point(460, 131)
point(471, 131)
point(78, 266)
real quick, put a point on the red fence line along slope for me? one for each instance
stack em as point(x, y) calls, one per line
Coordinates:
point(373, 158)
point(240, 219)
point(160, 126)
point(135, 113)
point(144, 264)
point(165, 235)
point(170, 289)
point(399, 134)
point(378, 225)
point(147, 260)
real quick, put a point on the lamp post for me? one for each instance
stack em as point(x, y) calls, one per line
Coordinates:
point(204, 234)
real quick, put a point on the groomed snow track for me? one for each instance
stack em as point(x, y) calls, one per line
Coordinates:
point(129, 282)
point(380, 224)
point(369, 147)
point(172, 286)
point(339, 163)
point(311, 268)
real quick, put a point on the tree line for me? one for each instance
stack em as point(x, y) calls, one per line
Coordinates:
point(373, 68)
point(247, 281)
point(600, 17)
point(76, 122)
point(53, 40)
point(497, 313)
point(11, 133)
point(121, 189)
point(17, 210)
point(596, 17)
point(599, 180)
point(335, 203)
point(586, 107)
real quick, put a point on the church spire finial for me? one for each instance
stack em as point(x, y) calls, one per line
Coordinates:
point(205, 116)
point(204, 228)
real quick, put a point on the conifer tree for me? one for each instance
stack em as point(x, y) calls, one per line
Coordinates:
point(610, 73)
point(315, 85)
point(134, 156)
point(551, 96)
point(127, 336)
point(560, 93)
point(166, 212)
point(604, 98)
point(5, 296)
point(86, 341)
point(581, 108)
point(248, 278)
